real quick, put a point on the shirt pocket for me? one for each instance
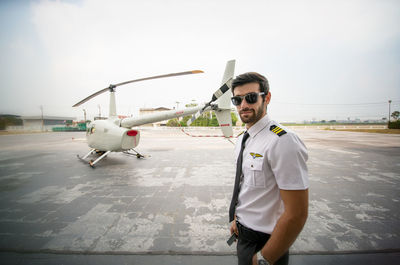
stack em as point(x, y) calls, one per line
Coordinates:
point(257, 175)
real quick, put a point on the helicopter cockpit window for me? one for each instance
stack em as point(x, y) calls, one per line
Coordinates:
point(90, 130)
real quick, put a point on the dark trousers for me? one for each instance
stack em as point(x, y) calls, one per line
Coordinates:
point(250, 242)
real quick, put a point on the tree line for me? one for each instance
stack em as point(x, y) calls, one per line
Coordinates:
point(9, 120)
point(204, 121)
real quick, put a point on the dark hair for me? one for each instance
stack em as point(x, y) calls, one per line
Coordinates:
point(251, 77)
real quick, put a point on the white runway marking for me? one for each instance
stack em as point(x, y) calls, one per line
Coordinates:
point(344, 152)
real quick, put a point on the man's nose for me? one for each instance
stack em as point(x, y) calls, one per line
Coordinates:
point(243, 104)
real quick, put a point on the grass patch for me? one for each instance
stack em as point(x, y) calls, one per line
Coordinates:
point(386, 131)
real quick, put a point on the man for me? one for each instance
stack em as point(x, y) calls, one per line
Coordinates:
point(270, 200)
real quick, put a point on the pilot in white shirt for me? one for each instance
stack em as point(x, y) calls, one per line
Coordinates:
point(271, 161)
point(269, 205)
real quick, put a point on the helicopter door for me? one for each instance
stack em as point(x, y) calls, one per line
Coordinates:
point(130, 139)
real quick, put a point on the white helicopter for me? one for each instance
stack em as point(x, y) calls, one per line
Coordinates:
point(117, 135)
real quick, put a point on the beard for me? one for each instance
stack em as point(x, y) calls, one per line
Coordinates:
point(254, 115)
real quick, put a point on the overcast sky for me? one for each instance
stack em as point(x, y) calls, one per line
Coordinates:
point(324, 59)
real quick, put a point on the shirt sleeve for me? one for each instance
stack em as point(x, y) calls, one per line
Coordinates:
point(288, 159)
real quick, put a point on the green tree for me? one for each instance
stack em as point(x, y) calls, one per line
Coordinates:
point(173, 123)
point(234, 118)
point(3, 124)
point(395, 115)
point(9, 120)
point(201, 121)
point(213, 121)
point(204, 120)
point(184, 121)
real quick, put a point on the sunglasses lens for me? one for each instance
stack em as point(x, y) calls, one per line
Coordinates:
point(236, 101)
point(251, 98)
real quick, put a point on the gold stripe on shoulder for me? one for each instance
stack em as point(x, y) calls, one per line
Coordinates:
point(277, 130)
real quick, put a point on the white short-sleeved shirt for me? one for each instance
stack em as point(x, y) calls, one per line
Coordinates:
point(274, 158)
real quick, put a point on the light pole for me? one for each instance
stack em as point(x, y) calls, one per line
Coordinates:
point(177, 107)
point(99, 110)
point(84, 115)
point(389, 109)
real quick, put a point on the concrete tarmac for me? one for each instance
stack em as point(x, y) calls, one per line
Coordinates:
point(172, 206)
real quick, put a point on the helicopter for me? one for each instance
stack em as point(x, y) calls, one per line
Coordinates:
point(117, 135)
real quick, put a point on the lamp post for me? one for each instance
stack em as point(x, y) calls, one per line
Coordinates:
point(389, 113)
point(177, 107)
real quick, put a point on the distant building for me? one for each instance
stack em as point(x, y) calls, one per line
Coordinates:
point(45, 123)
point(145, 111)
point(100, 118)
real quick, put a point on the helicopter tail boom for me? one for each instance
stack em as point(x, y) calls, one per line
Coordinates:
point(155, 117)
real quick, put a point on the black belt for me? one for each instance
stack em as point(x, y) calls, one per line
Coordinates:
point(250, 234)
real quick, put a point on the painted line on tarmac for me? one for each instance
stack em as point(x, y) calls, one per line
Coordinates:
point(342, 151)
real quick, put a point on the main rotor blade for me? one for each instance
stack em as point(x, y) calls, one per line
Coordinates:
point(136, 80)
point(91, 96)
point(161, 76)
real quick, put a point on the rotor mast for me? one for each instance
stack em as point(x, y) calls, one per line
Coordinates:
point(113, 107)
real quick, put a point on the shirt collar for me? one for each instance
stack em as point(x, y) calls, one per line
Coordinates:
point(258, 126)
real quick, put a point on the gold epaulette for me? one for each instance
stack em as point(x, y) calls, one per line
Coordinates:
point(277, 130)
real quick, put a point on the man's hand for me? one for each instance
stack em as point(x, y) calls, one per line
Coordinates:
point(289, 224)
point(234, 228)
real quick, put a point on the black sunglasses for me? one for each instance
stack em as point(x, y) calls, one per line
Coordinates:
point(251, 98)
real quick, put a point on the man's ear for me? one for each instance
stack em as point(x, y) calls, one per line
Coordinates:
point(268, 98)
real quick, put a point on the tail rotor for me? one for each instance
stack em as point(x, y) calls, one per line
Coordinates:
point(217, 94)
point(222, 99)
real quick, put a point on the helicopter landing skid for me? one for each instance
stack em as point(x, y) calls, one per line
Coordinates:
point(133, 152)
point(91, 162)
